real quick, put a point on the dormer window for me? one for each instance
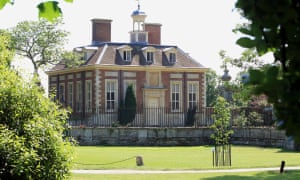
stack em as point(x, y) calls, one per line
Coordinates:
point(149, 53)
point(125, 52)
point(127, 55)
point(171, 54)
point(172, 58)
point(149, 57)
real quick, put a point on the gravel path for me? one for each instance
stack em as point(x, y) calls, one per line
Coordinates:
point(129, 171)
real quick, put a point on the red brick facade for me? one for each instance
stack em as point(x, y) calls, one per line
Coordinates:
point(162, 75)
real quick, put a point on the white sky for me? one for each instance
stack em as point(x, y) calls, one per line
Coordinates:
point(199, 27)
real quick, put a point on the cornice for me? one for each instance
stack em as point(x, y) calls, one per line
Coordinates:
point(128, 68)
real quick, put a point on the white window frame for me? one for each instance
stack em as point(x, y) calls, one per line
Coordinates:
point(78, 96)
point(176, 95)
point(192, 93)
point(150, 56)
point(149, 53)
point(126, 55)
point(111, 86)
point(171, 54)
point(88, 95)
point(125, 52)
point(70, 94)
point(172, 57)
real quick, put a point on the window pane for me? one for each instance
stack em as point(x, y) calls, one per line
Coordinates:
point(149, 56)
point(175, 96)
point(172, 57)
point(110, 95)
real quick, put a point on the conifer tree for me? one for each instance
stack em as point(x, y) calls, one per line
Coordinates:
point(129, 110)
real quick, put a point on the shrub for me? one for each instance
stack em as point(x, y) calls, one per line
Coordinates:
point(190, 117)
point(240, 120)
point(32, 145)
point(127, 111)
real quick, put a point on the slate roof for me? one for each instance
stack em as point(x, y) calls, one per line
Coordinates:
point(108, 53)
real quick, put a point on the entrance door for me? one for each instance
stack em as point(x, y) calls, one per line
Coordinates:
point(153, 111)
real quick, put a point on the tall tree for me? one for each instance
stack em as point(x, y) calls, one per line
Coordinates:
point(241, 93)
point(274, 26)
point(39, 41)
point(32, 145)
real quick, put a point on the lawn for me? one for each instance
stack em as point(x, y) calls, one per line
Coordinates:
point(171, 158)
point(270, 175)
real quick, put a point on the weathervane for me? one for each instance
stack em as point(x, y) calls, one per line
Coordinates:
point(138, 4)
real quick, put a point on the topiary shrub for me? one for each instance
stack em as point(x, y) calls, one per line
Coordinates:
point(127, 112)
point(190, 117)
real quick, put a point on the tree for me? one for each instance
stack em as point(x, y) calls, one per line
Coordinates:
point(39, 41)
point(211, 88)
point(72, 59)
point(32, 145)
point(129, 108)
point(6, 52)
point(274, 27)
point(242, 93)
point(49, 10)
point(221, 126)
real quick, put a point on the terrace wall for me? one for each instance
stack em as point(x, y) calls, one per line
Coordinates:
point(176, 136)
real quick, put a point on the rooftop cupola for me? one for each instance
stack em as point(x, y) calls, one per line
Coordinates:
point(138, 33)
point(138, 18)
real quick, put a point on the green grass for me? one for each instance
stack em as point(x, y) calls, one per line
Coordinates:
point(170, 158)
point(270, 175)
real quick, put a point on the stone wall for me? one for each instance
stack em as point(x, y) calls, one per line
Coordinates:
point(176, 136)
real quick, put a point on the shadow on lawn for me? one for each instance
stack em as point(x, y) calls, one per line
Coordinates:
point(269, 175)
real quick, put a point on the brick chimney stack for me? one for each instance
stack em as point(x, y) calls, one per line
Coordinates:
point(101, 30)
point(154, 33)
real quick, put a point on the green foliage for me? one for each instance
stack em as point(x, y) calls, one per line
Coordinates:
point(6, 53)
point(128, 111)
point(39, 41)
point(211, 88)
point(72, 59)
point(49, 10)
point(32, 145)
point(240, 120)
point(255, 119)
point(4, 2)
point(249, 59)
point(274, 27)
point(246, 118)
point(221, 126)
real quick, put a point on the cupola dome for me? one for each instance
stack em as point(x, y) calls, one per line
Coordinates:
point(138, 17)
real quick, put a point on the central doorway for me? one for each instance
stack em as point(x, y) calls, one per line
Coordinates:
point(154, 103)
